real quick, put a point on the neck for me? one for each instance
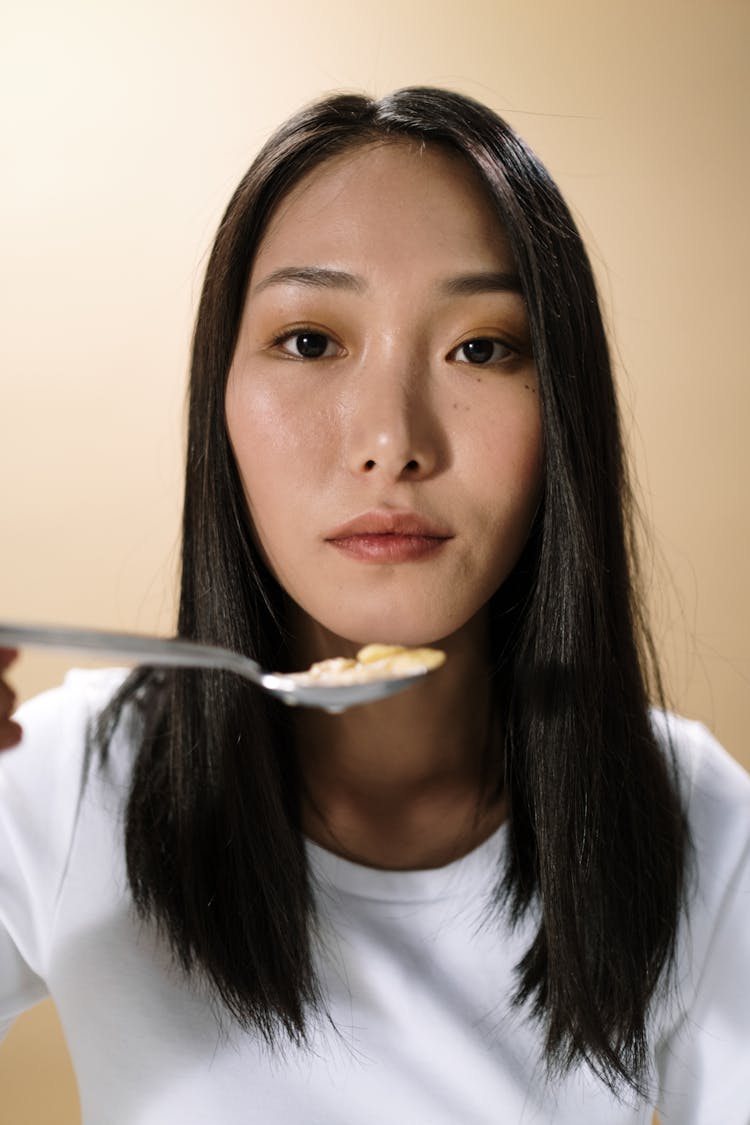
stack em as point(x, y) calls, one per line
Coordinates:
point(404, 783)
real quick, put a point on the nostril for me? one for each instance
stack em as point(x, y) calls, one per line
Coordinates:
point(411, 466)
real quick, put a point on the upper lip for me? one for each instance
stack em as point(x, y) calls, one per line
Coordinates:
point(389, 523)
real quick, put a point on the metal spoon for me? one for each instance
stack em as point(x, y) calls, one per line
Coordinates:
point(176, 653)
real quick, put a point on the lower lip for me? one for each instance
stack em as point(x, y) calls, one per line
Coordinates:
point(388, 548)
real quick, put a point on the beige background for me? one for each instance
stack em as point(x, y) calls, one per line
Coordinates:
point(125, 127)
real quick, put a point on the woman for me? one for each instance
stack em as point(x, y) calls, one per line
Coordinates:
point(511, 893)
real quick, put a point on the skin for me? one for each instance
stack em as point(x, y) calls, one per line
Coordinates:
point(10, 731)
point(390, 417)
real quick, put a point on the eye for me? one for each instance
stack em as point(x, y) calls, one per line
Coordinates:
point(307, 344)
point(482, 350)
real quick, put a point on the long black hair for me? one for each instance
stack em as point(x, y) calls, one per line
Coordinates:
point(215, 853)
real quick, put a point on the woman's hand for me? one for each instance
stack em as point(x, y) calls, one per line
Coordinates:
point(10, 732)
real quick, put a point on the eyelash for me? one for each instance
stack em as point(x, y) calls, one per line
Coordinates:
point(495, 341)
point(297, 333)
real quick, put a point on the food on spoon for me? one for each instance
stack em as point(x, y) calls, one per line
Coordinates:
point(373, 662)
point(396, 658)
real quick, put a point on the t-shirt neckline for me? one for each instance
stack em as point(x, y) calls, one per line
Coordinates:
point(469, 873)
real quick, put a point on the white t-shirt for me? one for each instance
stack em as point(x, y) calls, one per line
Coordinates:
point(417, 980)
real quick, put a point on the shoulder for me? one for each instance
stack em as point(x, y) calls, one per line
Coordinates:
point(58, 720)
point(703, 1043)
point(714, 787)
point(715, 791)
point(80, 697)
point(41, 779)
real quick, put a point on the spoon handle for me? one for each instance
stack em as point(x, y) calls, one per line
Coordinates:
point(173, 653)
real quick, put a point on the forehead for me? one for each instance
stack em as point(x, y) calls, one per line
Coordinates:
point(398, 193)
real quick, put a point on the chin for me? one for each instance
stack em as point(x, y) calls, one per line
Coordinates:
point(408, 629)
point(414, 618)
point(409, 638)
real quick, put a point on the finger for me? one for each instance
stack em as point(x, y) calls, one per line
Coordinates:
point(10, 731)
point(10, 734)
point(7, 699)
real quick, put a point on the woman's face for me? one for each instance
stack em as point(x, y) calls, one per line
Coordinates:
point(382, 402)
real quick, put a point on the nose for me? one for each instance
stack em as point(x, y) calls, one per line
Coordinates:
point(392, 429)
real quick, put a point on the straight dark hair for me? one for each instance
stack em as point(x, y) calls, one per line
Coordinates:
point(598, 842)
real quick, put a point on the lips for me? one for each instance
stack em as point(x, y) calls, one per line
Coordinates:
point(380, 536)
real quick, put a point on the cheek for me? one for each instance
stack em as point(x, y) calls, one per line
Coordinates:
point(275, 437)
point(508, 452)
point(284, 446)
point(260, 428)
point(266, 444)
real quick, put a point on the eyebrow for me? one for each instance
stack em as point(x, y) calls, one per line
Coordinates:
point(316, 276)
point(321, 277)
point(469, 284)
